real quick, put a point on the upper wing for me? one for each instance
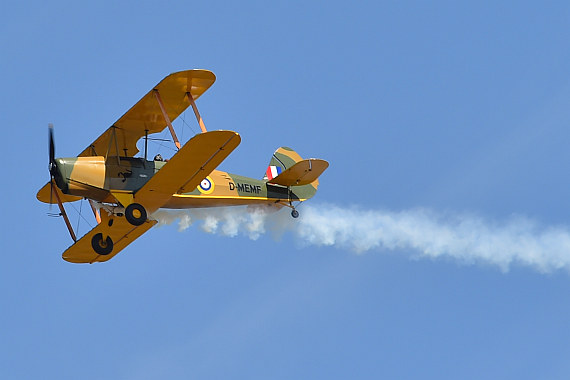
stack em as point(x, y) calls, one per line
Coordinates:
point(301, 173)
point(187, 168)
point(118, 229)
point(146, 116)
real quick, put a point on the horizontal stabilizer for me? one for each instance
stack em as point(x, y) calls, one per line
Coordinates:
point(302, 173)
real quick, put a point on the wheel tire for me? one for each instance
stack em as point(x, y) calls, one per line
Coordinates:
point(295, 214)
point(135, 214)
point(100, 245)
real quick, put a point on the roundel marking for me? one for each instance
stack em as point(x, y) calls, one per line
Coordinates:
point(206, 186)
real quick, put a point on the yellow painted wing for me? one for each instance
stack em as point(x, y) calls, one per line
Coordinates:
point(187, 168)
point(44, 195)
point(302, 173)
point(197, 159)
point(121, 232)
point(146, 114)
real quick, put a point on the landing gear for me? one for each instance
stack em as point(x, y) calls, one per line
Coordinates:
point(292, 197)
point(135, 214)
point(100, 245)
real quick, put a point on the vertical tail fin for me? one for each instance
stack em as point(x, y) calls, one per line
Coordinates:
point(282, 159)
point(287, 168)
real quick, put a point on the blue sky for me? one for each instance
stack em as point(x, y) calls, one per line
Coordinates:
point(456, 110)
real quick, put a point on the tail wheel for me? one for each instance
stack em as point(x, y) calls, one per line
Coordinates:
point(135, 214)
point(100, 245)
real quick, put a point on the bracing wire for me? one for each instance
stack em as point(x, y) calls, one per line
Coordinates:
point(81, 215)
point(159, 143)
point(185, 124)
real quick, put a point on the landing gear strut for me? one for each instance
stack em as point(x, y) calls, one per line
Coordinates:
point(294, 212)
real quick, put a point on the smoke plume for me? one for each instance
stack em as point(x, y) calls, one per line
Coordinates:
point(420, 232)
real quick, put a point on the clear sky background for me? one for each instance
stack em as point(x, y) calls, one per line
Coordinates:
point(458, 108)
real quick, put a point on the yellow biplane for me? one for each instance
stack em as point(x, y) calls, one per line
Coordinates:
point(124, 189)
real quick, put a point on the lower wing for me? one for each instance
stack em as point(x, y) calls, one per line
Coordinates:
point(107, 239)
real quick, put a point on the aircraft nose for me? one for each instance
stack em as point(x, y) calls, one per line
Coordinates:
point(61, 172)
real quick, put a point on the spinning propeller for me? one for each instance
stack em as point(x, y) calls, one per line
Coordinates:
point(52, 165)
point(53, 172)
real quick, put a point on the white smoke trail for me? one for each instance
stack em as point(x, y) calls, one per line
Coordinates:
point(466, 238)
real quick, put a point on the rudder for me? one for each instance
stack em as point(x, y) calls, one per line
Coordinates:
point(282, 159)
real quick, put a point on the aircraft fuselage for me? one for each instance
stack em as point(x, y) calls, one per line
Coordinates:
point(96, 178)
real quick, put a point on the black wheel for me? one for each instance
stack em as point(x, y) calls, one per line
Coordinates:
point(135, 214)
point(100, 245)
point(295, 214)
